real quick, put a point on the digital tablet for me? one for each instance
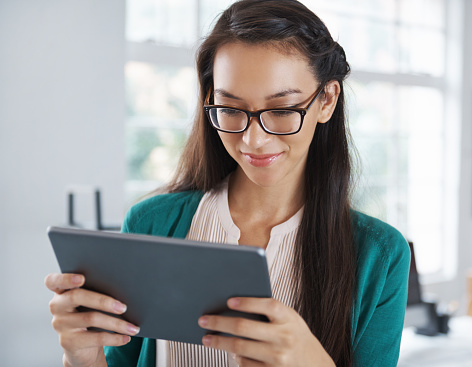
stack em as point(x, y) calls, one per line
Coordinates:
point(166, 283)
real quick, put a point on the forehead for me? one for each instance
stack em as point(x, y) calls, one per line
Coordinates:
point(255, 70)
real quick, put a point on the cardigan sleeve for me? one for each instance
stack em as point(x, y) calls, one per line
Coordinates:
point(126, 355)
point(382, 288)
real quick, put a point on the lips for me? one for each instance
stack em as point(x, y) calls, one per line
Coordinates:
point(261, 160)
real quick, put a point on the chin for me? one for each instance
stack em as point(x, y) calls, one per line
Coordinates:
point(264, 179)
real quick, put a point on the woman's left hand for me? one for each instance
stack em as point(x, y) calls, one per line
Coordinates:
point(285, 340)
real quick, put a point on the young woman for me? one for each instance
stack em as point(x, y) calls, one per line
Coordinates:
point(267, 164)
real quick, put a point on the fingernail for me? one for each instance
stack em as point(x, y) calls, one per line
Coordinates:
point(203, 321)
point(234, 302)
point(206, 340)
point(126, 339)
point(77, 279)
point(132, 329)
point(119, 307)
point(233, 355)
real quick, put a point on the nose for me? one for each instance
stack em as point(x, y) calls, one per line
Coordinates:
point(255, 137)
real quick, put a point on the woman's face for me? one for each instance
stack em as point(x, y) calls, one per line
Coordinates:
point(254, 77)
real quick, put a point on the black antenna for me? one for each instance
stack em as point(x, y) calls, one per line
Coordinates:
point(71, 209)
point(98, 210)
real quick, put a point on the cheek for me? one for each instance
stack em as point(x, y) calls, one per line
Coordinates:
point(301, 141)
point(229, 141)
point(309, 132)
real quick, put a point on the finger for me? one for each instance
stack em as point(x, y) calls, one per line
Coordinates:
point(243, 348)
point(74, 341)
point(275, 311)
point(70, 300)
point(83, 320)
point(239, 326)
point(59, 283)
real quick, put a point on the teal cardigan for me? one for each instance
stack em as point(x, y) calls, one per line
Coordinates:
point(382, 277)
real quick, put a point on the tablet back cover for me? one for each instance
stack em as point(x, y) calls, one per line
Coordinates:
point(166, 283)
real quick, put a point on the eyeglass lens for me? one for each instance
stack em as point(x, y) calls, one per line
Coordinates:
point(277, 121)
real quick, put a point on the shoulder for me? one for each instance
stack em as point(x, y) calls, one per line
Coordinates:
point(383, 263)
point(377, 241)
point(161, 215)
point(164, 202)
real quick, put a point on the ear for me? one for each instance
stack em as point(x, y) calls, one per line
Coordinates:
point(332, 90)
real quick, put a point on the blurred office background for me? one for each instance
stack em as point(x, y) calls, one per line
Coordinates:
point(102, 94)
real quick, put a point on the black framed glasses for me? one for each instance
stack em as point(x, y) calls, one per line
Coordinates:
point(277, 121)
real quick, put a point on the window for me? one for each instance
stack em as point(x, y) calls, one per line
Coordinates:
point(400, 83)
point(161, 88)
point(397, 98)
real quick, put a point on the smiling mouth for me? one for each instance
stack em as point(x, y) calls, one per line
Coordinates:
point(261, 160)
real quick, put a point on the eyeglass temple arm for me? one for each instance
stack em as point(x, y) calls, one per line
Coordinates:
point(207, 99)
point(317, 95)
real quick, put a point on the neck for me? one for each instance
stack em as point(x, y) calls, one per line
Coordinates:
point(273, 205)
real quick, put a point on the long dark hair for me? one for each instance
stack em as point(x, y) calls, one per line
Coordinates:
point(324, 258)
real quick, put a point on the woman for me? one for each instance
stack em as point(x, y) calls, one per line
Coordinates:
point(267, 164)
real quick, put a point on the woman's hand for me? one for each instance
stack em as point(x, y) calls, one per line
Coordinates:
point(81, 346)
point(285, 340)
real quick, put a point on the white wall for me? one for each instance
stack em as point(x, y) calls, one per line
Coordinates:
point(61, 122)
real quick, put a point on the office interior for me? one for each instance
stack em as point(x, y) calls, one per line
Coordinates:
point(62, 123)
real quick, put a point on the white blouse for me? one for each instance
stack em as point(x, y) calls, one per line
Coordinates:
point(212, 222)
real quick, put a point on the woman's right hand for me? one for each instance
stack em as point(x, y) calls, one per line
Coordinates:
point(83, 347)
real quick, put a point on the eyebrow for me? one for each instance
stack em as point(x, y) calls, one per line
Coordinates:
point(284, 93)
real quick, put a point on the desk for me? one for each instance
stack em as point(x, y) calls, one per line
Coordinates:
point(451, 350)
